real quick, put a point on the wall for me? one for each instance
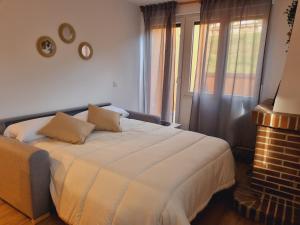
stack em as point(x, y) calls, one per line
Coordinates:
point(275, 50)
point(30, 83)
point(288, 100)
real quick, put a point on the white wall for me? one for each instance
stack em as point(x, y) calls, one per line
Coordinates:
point(288, 100)
point(276, 49)
point(30, 83)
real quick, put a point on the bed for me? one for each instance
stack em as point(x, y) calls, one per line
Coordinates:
point(149, 174)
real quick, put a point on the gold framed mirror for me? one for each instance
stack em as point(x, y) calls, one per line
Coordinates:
point(46, 46)
point(66, 33)
point(85, 50)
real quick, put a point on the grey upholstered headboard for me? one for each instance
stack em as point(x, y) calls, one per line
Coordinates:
point(71, 111)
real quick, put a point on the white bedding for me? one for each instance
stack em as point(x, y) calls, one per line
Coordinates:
point(146, 175)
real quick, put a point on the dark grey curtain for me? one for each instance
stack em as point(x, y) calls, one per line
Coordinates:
point(158, 81)
point(230, 62)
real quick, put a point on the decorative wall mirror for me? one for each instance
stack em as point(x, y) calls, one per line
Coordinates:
point(85, 50)
point(66, 33)
point(46, 46)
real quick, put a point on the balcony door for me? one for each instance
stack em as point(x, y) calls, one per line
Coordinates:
point(243, 62)
point(187, 66)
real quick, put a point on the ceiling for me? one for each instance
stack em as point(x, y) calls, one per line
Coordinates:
point(145, 2)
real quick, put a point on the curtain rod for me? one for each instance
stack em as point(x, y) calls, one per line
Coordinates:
point(199, 1)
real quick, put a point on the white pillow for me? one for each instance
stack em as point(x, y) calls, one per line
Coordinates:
point(123, 113)
point(84, 115)
point(26, 131)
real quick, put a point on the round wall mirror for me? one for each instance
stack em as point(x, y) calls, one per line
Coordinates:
point(85, 50)
point(46, 46)
point(66, 33)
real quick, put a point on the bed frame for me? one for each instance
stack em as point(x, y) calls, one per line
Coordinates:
point(25, 169)
point(71, 111)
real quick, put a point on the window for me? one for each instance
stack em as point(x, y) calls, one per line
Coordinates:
point(195, 48)
point(176, 68)
point(228, 55)
point(242, 59)
point(157, 68)
point(210, 53)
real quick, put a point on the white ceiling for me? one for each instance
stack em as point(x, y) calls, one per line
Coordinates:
point(145, 2)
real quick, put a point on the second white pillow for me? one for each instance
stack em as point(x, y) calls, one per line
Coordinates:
point(26, 131)
point(84, 115)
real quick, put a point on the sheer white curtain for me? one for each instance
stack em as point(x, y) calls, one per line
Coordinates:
point(159, 66)
point(229, 68)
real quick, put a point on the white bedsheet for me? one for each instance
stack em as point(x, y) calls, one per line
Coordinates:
point(146, 175)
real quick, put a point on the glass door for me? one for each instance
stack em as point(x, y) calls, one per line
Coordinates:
point(188, 58)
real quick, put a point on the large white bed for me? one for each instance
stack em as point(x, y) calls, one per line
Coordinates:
point(146, 175)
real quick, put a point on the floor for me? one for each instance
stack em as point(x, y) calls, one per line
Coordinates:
point(218, 212)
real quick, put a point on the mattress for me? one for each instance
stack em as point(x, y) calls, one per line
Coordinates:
point(146, 175)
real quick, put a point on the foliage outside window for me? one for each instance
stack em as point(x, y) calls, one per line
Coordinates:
point(291, 13)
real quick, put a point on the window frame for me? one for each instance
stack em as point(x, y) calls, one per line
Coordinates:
point(179, 20)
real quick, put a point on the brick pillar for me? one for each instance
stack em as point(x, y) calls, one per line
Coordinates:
point(273, 194)
point(276, 167)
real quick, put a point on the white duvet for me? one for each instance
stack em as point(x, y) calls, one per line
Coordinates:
point(146, 175)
